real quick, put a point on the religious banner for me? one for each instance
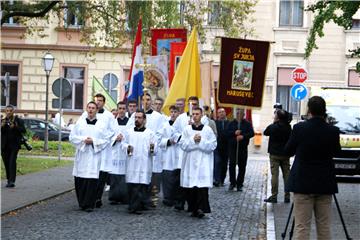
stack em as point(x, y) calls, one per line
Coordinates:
point(161, 39)
point(242, 72)
point(176, 51)
point(157, 76)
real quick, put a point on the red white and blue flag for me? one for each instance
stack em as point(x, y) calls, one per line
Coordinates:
point(136, 75)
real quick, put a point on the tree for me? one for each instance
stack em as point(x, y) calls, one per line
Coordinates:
point(340, 12)
point(110, 24)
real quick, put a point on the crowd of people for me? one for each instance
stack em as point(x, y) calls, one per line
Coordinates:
point(140, 152)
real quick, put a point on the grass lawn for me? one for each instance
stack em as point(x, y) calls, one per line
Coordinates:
point(30, 165)
point(67, 149)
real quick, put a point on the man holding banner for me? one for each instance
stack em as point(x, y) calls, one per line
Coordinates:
point(239, 132)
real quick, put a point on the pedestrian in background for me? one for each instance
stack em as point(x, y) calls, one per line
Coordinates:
point(312, 176)
point(12, 130)
point(239, 132)
point(279, 132)
point(221, 152)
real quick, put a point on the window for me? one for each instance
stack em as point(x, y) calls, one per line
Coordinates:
point(355, 24)
point(9, 84)
point(291, 13)
point(182, 13)
point(354, 78)
point(71, 18)
point(283, 96)
point(76, 77)
point(214, 14)
point(11, 20)
point(110, 82)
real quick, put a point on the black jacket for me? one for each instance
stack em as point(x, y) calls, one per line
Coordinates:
point(279, 133)
point(222, 141)
point(11, 137)
point(314, 143)
point(246, 130)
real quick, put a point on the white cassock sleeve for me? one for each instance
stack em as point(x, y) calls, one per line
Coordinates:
point(187, 142)
point(75, 138)
point(208, 140)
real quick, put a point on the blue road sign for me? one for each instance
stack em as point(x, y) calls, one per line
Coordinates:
point(298, 92)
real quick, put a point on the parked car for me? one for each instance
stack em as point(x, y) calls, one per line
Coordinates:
point(37, 126)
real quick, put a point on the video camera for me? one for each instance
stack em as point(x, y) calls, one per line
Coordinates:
point(289, 115)
point(24, 142)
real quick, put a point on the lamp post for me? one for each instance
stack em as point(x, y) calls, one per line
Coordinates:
point(48, 61)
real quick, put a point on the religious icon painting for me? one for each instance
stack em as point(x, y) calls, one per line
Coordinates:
point(242, 75)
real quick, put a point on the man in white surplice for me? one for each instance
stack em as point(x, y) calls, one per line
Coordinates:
point(154, 122)
point(141, 145)
point(169, 147)
point(118, 192)
point(106, 118)
point(183, 120)
point(89, 138)
point(198, 143)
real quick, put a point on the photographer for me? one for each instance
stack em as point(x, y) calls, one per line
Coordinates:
point(12, 130)
point(312, 176)
point(279, 132)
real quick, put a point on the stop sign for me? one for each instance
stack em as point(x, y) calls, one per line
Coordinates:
point(299, 75)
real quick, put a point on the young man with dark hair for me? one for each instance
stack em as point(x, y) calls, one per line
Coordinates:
point(279, 132)
point(12, 130)
point(132, 107)
point(158, 104)
point(89, 138)
point(141, 144)
point(312, 177)
point(118, 192)
point(171, 163)
point(154, 122)
point(110, 126)
point(198, 143)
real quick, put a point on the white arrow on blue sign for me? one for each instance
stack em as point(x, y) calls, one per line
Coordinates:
point(298, 92)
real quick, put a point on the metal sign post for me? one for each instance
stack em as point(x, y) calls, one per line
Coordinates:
point(60, 111)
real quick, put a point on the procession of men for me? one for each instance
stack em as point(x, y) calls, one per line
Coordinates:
point(144, 155)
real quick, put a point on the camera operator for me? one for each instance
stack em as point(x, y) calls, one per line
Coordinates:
point(312, 177)
point(279, 132)
point(12, 130)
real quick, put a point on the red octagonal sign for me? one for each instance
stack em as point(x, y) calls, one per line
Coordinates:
point(299, 75)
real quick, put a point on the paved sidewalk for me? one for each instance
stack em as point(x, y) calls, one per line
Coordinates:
point(35, 187)
point(349, 201)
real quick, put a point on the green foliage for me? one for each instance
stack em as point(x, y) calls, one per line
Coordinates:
point(67, 149)
point(235, 16)
point(111, 23)
point(30, 165)
point(340, 12)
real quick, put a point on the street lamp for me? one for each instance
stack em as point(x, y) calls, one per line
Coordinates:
point(48, 61)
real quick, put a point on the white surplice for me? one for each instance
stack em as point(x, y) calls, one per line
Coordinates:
point(170, 154)
point(88, 156)
point(154, 122)
point(118, 153)
point(198, 158)
point(139, 165)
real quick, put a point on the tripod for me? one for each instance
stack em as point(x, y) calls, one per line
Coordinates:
point(283, 234)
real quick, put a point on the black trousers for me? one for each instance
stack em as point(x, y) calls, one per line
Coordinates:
point(168, 185)
point(118, 189)
point(179, 192)
point(9, 156)
point(137, 192)
point(224, 163)
point(103, 178)
point(198, 198)
point(85, 189)
point(241, 162)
